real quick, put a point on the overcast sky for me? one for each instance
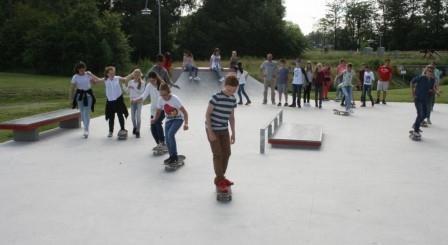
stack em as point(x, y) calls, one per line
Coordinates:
point(305, 13)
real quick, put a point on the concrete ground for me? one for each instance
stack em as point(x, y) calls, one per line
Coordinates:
point(367, 184)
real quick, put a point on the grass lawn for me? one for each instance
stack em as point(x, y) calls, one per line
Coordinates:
point(23, 95)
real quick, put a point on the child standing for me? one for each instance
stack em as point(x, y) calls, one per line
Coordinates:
point(242, 79)
point(81, 94)
point(298, 81)
point(327, 83)
point(385, 77)
point(282, 82)
point(234, 59)
point(176, 115)
point(318, 82)
point(308, 84)
point(367, 82)
point(215, 64)
point(115, 102)
point(221, 112)
point(136, 87)
point(152, 90)
point(347, 87)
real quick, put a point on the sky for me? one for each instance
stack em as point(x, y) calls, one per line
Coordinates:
point(305, 13)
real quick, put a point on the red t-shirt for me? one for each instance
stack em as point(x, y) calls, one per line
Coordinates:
point(385, 73)
point(167, 64)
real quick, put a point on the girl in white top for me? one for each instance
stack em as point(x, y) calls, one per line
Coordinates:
point(176, 115)
point(215, 64)
point(369, 77)
point(81, 94)
point(242, 76)
point(189, 66)
point(115, 102)
point(152, 90)
point(136, 87)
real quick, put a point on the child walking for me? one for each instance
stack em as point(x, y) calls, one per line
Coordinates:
point(152, 90)
point(347, 87)
point(136, 87)
point(81, 94)
point(282, 82)
point(220, 113)
point(176, 115)
point(242, 75)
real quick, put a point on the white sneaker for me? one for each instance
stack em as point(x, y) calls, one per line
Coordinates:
point(221, 79)
point(197, 79)
point(157, 147)
point(86, 134)
point(110, 134)
point(190, 78)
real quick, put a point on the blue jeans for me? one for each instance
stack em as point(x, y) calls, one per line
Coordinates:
point(85, 111)
point(191, 69)
point(296, 94)
point(348, 97)
point(171, 128)
point(218, 72)
point(136, 112)
point(157, 129)
point(242, 90)
point(366, 91)
point(422, 108)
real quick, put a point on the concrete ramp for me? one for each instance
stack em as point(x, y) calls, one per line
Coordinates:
point(191, 90)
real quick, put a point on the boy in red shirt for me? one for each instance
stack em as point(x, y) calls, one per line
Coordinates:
point(385, 76)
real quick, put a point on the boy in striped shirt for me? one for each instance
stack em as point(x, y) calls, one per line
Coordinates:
point(220, 113)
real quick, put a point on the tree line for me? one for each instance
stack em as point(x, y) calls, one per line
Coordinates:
point(393, 24)
point(50, 36)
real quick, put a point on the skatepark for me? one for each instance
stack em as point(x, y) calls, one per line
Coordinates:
point(367, 183)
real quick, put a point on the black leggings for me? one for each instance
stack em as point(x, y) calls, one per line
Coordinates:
point(112, 121)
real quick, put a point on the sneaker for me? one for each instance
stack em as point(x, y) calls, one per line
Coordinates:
point(167, 161)
point(240, 103)
point(228, 182)
point(286, 104)
point(417, 134)
point(222, 186)
point(363, 105)
point(137, 135)
point(134, 130)
point(164, 147)
point(221, 79)
point(320, 106)
point(157, 147)
point(248, 103)
point(424, 124)
point(197, 79)
point(86, 134)
point(351, 111)
point(377, 101)
point(384, 102)
point(190, 78)
point(279, 104)
point(373, 103)
point(292, 105)
point(429, 121)
point(265, 102)
point(110, 134)
point(299, 106)
point(273, 102)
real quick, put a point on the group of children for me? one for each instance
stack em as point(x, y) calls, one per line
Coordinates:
point(166, 108)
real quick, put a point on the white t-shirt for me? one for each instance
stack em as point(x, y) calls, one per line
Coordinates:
point(153, 93)
point(369, 77)
point(171, 107)
point(113, 88)
point(134, 91)
point(242, 77)
point(298, 76)
point(82, 81)
point(215, 61)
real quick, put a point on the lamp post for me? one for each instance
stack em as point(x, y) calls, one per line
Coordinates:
point(147, 11)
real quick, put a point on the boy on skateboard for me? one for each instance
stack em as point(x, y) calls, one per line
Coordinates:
point(220, 113)
point(422, 86)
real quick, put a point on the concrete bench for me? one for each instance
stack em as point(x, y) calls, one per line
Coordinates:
point(25, 129)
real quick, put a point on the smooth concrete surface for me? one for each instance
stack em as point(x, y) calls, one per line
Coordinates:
point(368, 183)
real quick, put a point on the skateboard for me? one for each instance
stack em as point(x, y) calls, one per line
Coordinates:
point(122, 134)
point(159, 151)
point(173, 167)
point(414, 136)
point(224, 196)
point(341, 113)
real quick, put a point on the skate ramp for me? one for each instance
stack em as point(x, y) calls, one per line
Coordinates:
point(293, 135)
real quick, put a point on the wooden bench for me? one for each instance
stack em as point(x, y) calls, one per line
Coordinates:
point(25, 129)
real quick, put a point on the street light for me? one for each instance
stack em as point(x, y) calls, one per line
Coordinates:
point(147, 11)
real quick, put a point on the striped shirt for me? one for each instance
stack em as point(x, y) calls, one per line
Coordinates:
point(223, 107)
